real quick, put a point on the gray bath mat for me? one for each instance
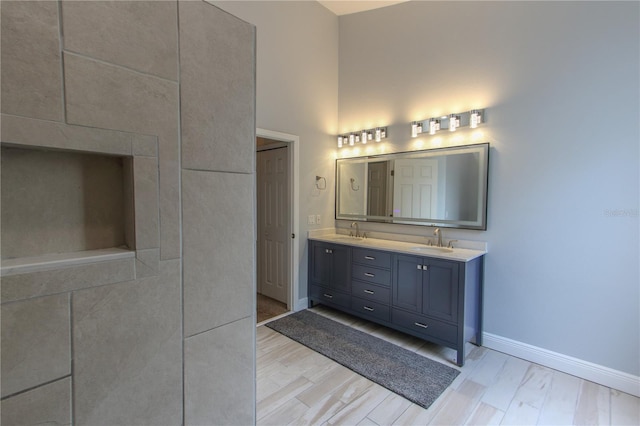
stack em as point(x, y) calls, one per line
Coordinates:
point(418, 379)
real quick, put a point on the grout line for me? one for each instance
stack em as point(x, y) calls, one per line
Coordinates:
point(62, 69)
point(122, 67)
point(35, 387)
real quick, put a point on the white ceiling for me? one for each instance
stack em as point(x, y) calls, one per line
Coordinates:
point(341, 7)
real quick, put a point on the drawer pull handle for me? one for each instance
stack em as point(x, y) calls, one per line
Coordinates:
point(369, 291)
point(419, 324)
point(370, 258)
point(328, 296)
point(368, 274)
point(366, 308)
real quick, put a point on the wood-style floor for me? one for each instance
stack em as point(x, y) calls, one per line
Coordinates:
point(268, 308)
point(298, 386)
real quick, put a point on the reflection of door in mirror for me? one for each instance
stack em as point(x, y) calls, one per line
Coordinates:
point(377, 188)
point(415, 189)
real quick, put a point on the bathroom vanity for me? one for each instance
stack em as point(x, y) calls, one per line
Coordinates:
point(434, 293)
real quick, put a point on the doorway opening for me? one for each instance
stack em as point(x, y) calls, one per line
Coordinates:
point(277, 228)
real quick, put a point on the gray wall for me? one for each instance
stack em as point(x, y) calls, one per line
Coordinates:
point(559, 82)
point(167, 337)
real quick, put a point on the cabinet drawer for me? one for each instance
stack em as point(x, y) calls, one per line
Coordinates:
point(328, 296)
point(425, 326)
point(371, 275)
point(370, 292)
point(372, 257)
point(370, 309)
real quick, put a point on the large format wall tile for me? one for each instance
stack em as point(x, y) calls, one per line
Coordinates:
point(219, 248)
point(46, 405)
point(31, 63)
point(145, 182)
point(105, 96)
point(218, 118)
point(219, 384)
point(43, 283)
point(36, 345)
point(128, 352)
point(137, 34)
point(47, 134)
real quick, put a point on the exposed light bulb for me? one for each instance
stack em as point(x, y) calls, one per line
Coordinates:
point(340, 139)
point(357, 136)
point(378, 134)
point(369, 135)
point(363, 138)
point(352, 139)
point(383, 132)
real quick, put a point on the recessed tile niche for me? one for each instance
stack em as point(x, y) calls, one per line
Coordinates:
point(79, 207)
point(62, 202)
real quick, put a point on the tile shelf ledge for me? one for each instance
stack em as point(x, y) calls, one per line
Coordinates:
point(49, 262)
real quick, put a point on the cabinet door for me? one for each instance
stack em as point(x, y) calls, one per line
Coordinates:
point(341, 268)
point(321, 263)
point(440, 291)
point(407, 282)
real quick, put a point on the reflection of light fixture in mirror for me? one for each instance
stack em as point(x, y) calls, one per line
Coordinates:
point(475, 118)
point(363, 137)
point(434, 126)
point(454, 122)
point(416, 128)
point(340, 139)
point(352, 139)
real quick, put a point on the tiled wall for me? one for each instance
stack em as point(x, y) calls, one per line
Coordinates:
point(168, 337)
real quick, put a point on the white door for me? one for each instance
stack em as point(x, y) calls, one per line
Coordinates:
point(415, 187)
point(273, 223)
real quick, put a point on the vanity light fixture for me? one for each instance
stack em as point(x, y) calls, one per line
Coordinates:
point(452, 122)
point(416, 128)
point(362, 136)
point(434, 126)
point(475, 118)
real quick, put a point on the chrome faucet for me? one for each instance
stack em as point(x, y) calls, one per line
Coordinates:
point(438, 233)
point(357, 230)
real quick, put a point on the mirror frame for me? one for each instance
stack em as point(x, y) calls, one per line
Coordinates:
point(483, 184)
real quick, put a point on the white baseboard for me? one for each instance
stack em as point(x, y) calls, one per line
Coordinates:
point(576, 367)
point(301, 304)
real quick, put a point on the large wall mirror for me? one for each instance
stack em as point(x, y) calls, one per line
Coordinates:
point(445, 187)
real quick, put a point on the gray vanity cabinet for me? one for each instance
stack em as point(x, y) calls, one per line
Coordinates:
point(330, 274)
point(427, 286)
point(434, 299)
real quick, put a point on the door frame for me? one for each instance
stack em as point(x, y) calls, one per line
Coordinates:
point(293, 143)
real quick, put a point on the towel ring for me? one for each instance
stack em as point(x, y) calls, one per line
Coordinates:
point(319, 183)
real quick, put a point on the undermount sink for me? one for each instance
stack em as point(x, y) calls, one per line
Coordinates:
point(432, 249)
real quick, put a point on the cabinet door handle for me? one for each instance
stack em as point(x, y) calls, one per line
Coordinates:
point(368, 274)
point(328, 296)
point(369, 291)
point(370, 258)
point(419, 324)
point(366, 308)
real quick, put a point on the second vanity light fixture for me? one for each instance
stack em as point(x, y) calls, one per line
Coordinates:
point(362, 136)
point(452, 122)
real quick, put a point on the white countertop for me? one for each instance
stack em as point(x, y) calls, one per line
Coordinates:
point(404, 247)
